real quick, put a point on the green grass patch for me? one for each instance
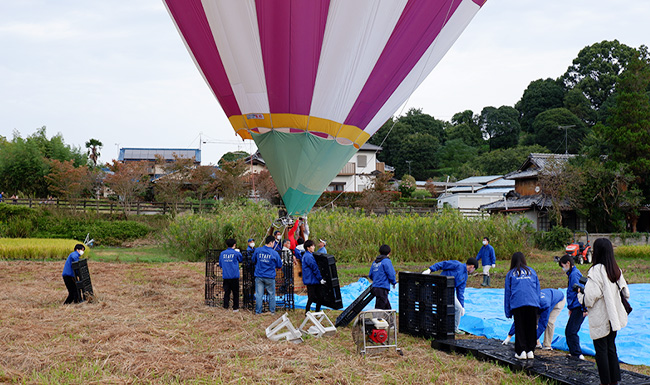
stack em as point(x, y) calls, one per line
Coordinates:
point(146, 254)
point(634, 252)
point(36, 248)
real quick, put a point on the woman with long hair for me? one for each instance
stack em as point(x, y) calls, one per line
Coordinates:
point(521, 300)
point(606, 312)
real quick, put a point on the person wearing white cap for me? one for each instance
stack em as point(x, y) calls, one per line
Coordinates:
point(321, 246)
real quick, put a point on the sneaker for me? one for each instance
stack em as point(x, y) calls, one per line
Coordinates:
point(581, 357)
point(521, 356)
point(460, 332)
point(530, 355)
point(235, 310)
point(547, 348)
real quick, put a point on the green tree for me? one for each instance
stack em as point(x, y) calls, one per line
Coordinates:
point(559, 130)
point(576, 102)
point(24, 162)
point(465, 126)
point(628, 127)
point(502, 161)
point(413, 137)
point(232, 156)
point(539, 96)
point(453, 154)
point(93, 146)
point(597, 68)
point(500, 126)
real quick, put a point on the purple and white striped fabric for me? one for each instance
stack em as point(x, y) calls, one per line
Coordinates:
point(335, 68)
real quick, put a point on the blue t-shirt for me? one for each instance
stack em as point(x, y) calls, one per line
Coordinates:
point(229, 260)
point(266, 260)
point(67, 268)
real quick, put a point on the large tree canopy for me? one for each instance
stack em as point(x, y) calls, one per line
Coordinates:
point(559, 130)
point(539, 96)
point(597, 69)
point(24, 161)
point(501, 126)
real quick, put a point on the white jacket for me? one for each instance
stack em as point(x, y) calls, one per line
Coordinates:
point(604, 302)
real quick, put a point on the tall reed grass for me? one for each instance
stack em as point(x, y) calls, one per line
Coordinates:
point(633, 252)
point(35, 248)
point(353, 236)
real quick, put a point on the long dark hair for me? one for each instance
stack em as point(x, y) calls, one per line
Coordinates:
point(604, 255)
point(518, 262)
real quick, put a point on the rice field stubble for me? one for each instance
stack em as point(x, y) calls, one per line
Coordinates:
point(149, 325)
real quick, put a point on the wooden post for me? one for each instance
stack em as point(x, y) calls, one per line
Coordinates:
point(137, 211)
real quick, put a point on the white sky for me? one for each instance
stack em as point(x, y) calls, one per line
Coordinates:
point(118, 71)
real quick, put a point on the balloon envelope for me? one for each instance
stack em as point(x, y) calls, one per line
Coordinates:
point(311, 80)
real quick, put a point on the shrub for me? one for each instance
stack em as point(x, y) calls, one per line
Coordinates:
point(555, 239)
point(104, 232)
point(421, 194)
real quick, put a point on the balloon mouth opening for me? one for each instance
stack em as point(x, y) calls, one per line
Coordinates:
point(289, 130)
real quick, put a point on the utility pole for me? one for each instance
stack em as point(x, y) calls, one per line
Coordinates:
point(409, 163)
point(566, 137)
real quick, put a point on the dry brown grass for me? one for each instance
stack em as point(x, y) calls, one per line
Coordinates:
point(149, 325)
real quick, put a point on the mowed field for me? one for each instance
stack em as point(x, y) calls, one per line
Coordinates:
point(149, 325)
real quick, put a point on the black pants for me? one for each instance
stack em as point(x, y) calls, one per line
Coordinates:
point(314, 295)
point(607, 359)
point(525, 328)
point(73, 293)
point(231, 286)
point(382, 301)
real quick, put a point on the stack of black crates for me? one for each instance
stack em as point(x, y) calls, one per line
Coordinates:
point(283, 282)
point(426, 305)
point(82, 275)
point(332, 290)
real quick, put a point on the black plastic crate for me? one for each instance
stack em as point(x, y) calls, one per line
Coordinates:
point(355, 308)
point(213, 278)
point(332, 290)
point(426, 305)
point(82, 277)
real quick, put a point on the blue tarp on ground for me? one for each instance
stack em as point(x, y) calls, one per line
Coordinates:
point(485, 317)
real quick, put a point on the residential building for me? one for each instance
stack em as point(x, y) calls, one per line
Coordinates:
point(469, 194)
point(152, 154)
point(358, 174)
point(529, 201)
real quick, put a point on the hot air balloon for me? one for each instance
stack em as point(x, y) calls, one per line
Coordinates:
point(310, 81)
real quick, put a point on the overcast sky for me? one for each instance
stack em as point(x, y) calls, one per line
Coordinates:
point(118, 71)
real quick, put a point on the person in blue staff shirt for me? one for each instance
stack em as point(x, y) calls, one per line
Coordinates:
point(521, 300)
point(382, 275)
point(460, 272)
point(577, 311)
point(321, 246)
point(488, 258)
point(69, 277)
point(229, 261)
point(251, 246)
point(266, 260)
point(551, 302)
point(312, 277)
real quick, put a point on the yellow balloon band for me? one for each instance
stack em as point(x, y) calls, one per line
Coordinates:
point(243, 124)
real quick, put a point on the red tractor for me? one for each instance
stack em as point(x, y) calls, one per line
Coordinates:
point(579, 251)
